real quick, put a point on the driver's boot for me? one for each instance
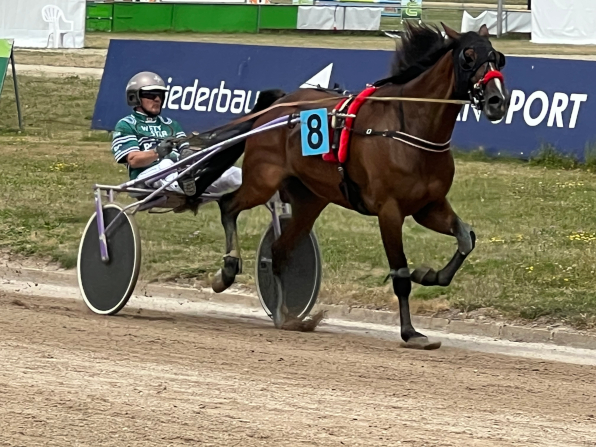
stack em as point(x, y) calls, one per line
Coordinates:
point(187, 181)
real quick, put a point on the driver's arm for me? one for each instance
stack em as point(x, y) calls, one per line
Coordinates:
point(125, 146)
point(140, 159)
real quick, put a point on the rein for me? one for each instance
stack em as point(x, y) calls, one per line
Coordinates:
point(248, 117)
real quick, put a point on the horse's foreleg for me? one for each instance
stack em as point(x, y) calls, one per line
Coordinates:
point(390, 222)
point(441, 218)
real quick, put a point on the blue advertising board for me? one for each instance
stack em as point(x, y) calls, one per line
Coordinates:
point(211, 84)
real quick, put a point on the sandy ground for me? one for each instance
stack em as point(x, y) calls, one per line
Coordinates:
point(69, 377)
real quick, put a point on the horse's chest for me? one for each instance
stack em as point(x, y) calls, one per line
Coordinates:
point(422, 188)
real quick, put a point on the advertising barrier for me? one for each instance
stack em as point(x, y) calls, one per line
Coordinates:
point(6, 57)
point(210, 84)
point(200, 17)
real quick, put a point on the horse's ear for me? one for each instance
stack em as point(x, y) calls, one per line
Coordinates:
point(483, 31)
point(451, 32)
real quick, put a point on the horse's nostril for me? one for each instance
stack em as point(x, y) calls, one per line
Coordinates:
point(495, 100)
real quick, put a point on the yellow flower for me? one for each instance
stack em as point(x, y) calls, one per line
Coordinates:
point(581, 236)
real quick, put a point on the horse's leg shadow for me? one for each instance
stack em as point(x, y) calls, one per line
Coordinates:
point(441, 218)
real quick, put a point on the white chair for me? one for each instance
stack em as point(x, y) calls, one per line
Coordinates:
point(53, 14)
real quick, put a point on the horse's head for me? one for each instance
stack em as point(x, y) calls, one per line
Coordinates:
point(478, 72)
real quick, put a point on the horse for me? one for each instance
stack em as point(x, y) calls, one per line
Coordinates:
point(389, 174)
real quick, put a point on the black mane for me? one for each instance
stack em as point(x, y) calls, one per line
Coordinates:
point(422, 46)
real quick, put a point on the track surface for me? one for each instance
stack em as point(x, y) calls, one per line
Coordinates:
point(72, 378)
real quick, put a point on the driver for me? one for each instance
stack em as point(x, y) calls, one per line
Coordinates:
point(143, 140)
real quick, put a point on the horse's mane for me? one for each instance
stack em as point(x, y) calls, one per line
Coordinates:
point(422, 46)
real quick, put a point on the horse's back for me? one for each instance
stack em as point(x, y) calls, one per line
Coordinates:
point(300, 95)
point(282, 147)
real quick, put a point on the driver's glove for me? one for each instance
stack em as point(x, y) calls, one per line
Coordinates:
point(165, 147)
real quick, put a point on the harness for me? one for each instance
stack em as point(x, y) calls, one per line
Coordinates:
point(342, 122)
point(342, 127)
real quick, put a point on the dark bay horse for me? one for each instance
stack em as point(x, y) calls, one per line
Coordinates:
point(390, 178)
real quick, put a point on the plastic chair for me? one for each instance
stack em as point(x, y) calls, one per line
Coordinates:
point(52, 14)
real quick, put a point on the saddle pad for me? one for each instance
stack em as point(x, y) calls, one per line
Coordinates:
point(344, 140)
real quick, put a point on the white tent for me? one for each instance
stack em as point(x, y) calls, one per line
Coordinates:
point(513, 22)
point(43, 23)
point(564, 21)
point(339, 18)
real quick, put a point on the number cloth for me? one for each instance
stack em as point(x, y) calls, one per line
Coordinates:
point(314, 132)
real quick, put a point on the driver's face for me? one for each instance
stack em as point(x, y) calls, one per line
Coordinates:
point(151, 103)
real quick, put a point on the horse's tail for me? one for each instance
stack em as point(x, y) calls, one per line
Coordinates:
point(222, 161)
point(266, 99)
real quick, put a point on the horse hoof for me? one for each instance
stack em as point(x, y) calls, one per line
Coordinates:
point(306, 325)
point(422, 343)
point(218, 284)
point(279, 319)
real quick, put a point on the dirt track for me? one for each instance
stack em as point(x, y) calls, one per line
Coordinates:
point(72, 378)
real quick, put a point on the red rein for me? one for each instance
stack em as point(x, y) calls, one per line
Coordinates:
point(493, 74)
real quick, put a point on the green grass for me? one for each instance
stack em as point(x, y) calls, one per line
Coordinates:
point(536, 224)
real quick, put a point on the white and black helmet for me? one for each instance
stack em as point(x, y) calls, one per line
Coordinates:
point(145, 80)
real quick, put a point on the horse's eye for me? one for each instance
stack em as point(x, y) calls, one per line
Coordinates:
point(467, 58)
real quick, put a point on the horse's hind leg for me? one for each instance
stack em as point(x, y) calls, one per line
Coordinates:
point(441, 218)
point(259, 184)
point(306, 207)
point(390, 222)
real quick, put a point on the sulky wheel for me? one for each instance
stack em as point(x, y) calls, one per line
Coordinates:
point(107, 286)
point(301, 278)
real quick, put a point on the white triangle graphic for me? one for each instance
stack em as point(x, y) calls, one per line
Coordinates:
point(321, 79)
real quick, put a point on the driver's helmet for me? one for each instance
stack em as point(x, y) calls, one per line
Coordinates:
point(146, 80)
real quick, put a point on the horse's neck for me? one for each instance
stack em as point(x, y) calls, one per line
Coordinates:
point(435, 121)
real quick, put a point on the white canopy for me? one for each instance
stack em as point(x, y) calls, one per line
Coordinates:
point(43, 23)
point(564, 21)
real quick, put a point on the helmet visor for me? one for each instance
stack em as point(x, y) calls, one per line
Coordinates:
point(152, 94)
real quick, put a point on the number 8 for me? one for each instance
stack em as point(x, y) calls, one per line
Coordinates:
point(314, 128)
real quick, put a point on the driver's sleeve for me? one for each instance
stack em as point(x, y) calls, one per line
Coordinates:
point(179, 133)
point(124, 141)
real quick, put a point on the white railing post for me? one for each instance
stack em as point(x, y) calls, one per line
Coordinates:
point(500, 18)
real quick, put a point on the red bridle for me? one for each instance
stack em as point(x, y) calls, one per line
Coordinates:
point(492, 74)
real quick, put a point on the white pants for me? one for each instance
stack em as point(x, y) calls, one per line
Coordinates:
point(229, 181)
